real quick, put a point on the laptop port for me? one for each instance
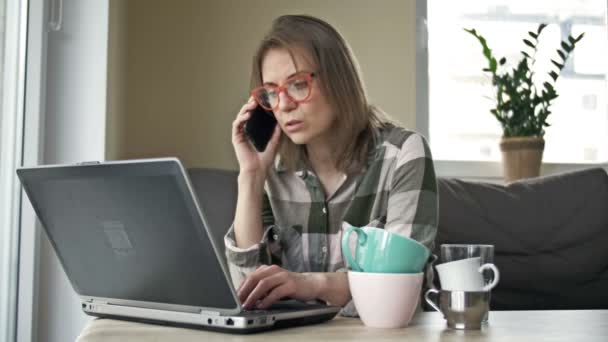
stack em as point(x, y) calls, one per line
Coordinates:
point(249, 321)
point(209, 321)
point(229, 322)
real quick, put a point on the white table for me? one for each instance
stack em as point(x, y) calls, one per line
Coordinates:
point(511, 326)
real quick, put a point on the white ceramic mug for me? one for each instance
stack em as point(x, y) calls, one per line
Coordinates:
point(466, 275)
point(385, 300)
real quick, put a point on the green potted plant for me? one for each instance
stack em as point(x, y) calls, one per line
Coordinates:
point(522, 101)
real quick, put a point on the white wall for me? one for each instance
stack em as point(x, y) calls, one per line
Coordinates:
point(74, 131)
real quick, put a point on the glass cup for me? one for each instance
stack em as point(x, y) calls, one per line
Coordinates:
point(453, 252)
point(462, 309)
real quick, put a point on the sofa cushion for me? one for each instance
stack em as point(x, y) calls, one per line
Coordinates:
point(217, 193)
point(550, 236)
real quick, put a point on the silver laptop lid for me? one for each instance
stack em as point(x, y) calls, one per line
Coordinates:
point(131, 231)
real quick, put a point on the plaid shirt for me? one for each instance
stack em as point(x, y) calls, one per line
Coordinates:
point(397, 191)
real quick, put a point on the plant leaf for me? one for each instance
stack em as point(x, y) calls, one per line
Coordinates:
point(559, 66)
point(525, 54)
point(487, 52)
point(541, 27)
point(580, 36)
point(566, 47)
point(533, 35)
point(493, 64)
point(502, 61)
point(553, 75)
point(529, 43)
point(562, 55)
point(571, 40)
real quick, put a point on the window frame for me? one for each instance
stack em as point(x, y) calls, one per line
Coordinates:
point(11, 154)
point(486, 170)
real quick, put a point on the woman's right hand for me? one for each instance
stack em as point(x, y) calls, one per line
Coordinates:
point(250, 160)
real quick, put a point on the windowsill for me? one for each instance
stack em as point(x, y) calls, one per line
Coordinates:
point(492, 171)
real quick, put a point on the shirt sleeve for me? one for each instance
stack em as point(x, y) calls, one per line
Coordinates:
point(413, 204)
point(242, 261)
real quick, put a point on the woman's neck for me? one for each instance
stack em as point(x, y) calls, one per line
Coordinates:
point(322, 158)
point(323, 162)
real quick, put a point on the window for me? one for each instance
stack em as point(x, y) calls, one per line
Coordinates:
point(12, 59)
point(460, 126)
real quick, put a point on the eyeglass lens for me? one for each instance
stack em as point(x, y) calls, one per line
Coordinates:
point(297, 89)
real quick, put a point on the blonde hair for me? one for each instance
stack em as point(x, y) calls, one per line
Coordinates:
point(340, 81)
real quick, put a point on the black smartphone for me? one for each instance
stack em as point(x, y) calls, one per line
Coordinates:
point(259, 127)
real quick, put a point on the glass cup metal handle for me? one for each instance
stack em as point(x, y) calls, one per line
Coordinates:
point(361, 238)
point(495, 273)
point(432, 303)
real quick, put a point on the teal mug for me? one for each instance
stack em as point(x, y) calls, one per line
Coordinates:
point(380, 251)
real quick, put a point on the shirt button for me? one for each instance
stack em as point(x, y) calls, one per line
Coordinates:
point(275, 237)
point(324, 210)
point(324, 249)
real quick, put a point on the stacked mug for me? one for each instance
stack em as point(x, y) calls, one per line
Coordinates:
point(385, 276)
point(467, 275)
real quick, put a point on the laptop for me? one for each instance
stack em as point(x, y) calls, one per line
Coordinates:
point(135, 244)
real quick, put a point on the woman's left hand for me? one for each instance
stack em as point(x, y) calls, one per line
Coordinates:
point(269, 284)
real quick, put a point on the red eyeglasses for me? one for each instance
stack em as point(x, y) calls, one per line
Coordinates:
point(298, 88)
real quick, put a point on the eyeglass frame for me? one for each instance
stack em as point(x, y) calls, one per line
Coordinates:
point(308, 75)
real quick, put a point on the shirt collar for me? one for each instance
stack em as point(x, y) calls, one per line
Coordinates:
point(304, 170)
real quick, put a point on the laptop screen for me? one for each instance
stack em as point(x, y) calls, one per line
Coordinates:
point(129, 230)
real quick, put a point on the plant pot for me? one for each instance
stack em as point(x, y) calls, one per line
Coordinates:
point(521, 157)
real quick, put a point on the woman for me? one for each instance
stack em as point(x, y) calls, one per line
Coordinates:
point(333, 159)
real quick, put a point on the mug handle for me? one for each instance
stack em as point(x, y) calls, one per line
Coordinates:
point(496, 276)
point(346, 246)
point(432, 303)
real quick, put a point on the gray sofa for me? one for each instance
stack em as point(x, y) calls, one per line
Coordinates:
point(550, 233)
point(550, 236)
